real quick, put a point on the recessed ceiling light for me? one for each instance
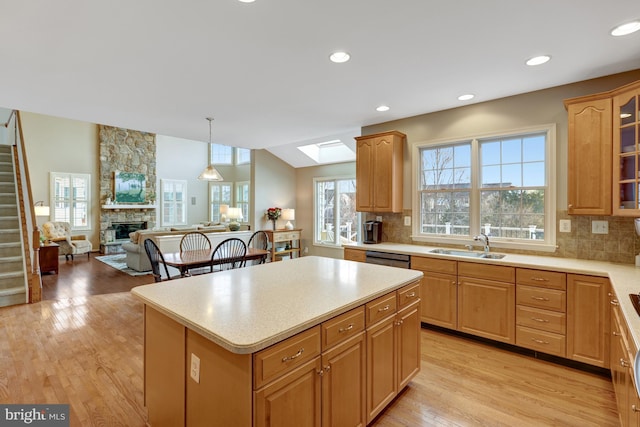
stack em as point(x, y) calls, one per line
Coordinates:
point(538, 60)
point(624, 29)
point(339, 57)
point(466, 97)
point(382, 108)
point(246, 1)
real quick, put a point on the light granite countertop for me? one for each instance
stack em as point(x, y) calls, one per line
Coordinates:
point(625, 278)
point(248, 309)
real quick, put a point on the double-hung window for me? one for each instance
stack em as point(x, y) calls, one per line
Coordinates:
point(242, 199)
point(499, 185)
point(71, 193)
point(219, 194)
point(174, 201)
point(336, 220)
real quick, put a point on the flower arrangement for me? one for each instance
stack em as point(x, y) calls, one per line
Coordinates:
point(273, 213)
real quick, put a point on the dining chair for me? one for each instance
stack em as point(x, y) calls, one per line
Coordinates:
point(259, 240)
point(156, 258)
point(229, 254)
point(194, 240)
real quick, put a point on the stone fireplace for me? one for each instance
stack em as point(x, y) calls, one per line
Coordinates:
point(125, 150)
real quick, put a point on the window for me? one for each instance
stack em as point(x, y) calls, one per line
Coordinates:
point(242, 199)
point(499, 185)
point(219, 194)
point(174, 202)
point(336, 221)
point(71, 199)
point(243, 156)
point(221, 154)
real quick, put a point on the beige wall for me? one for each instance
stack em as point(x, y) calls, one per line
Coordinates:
point(275, 186)
point(54, 144)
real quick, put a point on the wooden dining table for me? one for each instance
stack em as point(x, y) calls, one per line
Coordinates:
point(199, 258)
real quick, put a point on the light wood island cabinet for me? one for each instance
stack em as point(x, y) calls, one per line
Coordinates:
point(326, 375)
point(379, 161)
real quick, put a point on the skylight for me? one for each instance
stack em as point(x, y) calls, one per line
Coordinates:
point(334, 151)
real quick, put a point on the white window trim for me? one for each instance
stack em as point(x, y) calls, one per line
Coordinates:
point(219, 183)
point(162, 201)
point(236, 187)
point(87, 178)
point(548, 245)
point(315, 211)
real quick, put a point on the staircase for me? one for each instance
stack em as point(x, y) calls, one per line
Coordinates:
point(13, 278)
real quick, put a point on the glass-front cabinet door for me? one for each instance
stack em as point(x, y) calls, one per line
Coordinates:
point(626, 174)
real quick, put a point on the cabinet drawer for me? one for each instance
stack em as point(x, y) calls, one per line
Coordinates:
point(536, 318)
point(274, 361)
point(434, 264)
point(283, 237)
point(500, 273)
point(355, 255)
point(408, 295)
point(545, 342)
point(342, 327)
point(380, 308)
point(550, 299)
point(541, 278)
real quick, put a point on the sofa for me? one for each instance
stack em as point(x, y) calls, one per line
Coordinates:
point(168, 240)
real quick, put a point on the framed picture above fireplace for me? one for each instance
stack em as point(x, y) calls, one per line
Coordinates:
point(129, 187)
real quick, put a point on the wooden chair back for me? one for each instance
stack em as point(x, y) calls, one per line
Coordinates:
point(229, 254)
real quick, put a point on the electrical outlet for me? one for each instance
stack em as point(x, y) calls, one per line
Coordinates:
point(195, 368)
point(379, 218)
point(407, 220)
point(600, 227)
point(565, 226)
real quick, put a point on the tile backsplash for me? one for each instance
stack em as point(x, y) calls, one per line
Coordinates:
point(620, 245)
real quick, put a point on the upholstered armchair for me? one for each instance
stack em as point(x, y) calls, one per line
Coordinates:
point(60, 233)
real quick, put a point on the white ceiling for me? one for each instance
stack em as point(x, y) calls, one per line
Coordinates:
point(262, 69)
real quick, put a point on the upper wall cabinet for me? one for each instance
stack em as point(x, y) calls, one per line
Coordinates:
point(379, 160)
point(626, 152)
point(589, 176)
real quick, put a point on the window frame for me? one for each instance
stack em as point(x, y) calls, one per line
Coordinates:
point(358, 226)
point(71, 200)
point(163, 182)
point(546, 245)
point(212, 212)
point(238, 201)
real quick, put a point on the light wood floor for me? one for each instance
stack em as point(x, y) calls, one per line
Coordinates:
point(87, 351)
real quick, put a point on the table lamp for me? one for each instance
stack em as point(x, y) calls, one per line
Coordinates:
point(224, 210)
point(234, 214)
point(289, 215)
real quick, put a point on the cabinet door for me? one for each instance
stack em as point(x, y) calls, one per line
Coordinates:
point(344, 384)
point(381, 366)
point(588, 319)
point(408, 344)
point(619, 373)
point(590, 140)
point(355, 255)
point(383, 165)
point(626, 152)
point(487, 308)
point(364, 175)
point(291, 401)
point(439, 300)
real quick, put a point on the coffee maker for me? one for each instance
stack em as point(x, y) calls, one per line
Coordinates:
point(372, 232)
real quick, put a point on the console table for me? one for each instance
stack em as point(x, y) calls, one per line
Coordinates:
point(285, 237)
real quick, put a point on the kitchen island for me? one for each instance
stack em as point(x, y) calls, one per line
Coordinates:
point(303, 342)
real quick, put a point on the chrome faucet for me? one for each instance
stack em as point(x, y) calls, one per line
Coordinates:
point(484, 239)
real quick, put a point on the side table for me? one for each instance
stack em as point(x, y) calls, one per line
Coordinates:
point(49, 257)
point(286, 237)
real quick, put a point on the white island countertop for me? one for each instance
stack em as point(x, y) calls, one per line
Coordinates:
point(248, 309)
point(624, 278)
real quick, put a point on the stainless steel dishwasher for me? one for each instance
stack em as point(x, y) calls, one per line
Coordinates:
point(390, 259)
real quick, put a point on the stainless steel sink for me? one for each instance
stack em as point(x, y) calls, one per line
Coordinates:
point(469, 254)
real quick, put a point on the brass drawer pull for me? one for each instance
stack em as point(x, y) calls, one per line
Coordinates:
point(539, 341)
point(347, 329)
point(295, 356)
point(537, 319)
point(614, 302)
point(624, 363)
point(385, 308)
point(540, 298)
point(411, 295)
point(539, 279)
point(634, 408)
point(616, 334)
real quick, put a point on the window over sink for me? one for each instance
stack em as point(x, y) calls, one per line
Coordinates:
point(500, 184)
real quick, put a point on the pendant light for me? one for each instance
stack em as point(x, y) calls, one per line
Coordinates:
point(210, 173)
